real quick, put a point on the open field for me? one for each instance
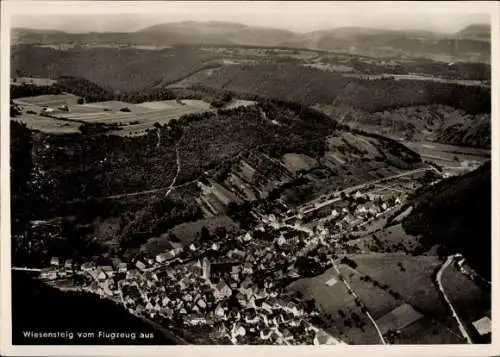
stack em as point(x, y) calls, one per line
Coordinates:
point(194, 78)
point(187, 232)
point(135, 122)
point(427, 331)
point(450, 148)
point(378, 301)
point(19, 81)
point(47, 125)
point(297, 162)
point(415, 283)
point(173, 104)
point(113, 105)
point(338, 308)
point(448, 155)
point(157, 112)
point(402, 316)
point(239, 103)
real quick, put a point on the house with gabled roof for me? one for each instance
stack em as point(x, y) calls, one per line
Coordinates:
point(222, 290)
point(68, 265)
point(140, 265)
point(122, 267)
point(108, 270)
point(88, 266)
point(247, 268)
point(48, 273)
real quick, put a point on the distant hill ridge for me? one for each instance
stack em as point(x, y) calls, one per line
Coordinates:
point(477, 31)
point(473, 38)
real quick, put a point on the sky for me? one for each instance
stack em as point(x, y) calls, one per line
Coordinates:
point(447, 17)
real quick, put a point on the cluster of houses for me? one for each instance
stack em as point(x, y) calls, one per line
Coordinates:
point(224, 294)
point(236, 295)
point(200, 293)
point(344, 214)
point(58, 269)
point(68, 268)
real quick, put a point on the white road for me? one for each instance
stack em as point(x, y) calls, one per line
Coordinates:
point(439, 276)
point(26, 269)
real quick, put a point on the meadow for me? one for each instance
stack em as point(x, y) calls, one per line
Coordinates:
point(47, 125)
point(410, 276)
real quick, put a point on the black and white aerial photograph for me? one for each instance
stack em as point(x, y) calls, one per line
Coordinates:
point(248, 173)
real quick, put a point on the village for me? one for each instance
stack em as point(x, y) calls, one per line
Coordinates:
point(233, 287)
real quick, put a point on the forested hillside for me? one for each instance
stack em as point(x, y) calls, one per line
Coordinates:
point(456, 213)
point(116, 70)
point(311, 86)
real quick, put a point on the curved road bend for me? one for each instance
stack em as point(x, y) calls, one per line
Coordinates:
point(350, 289)
point(178, 160)
point(439, 277)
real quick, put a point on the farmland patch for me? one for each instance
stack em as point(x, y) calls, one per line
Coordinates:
point(426, 331)
point(47, 125)
point(114, 105)
point(402, 316)
point(33, 81)
point(187, 232)
point(297, 162)
point(409, 276)
point(239, 103)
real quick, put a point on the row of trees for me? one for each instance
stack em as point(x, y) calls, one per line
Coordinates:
point(30, 90)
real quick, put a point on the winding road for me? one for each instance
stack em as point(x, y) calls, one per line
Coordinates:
point(439, 277)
